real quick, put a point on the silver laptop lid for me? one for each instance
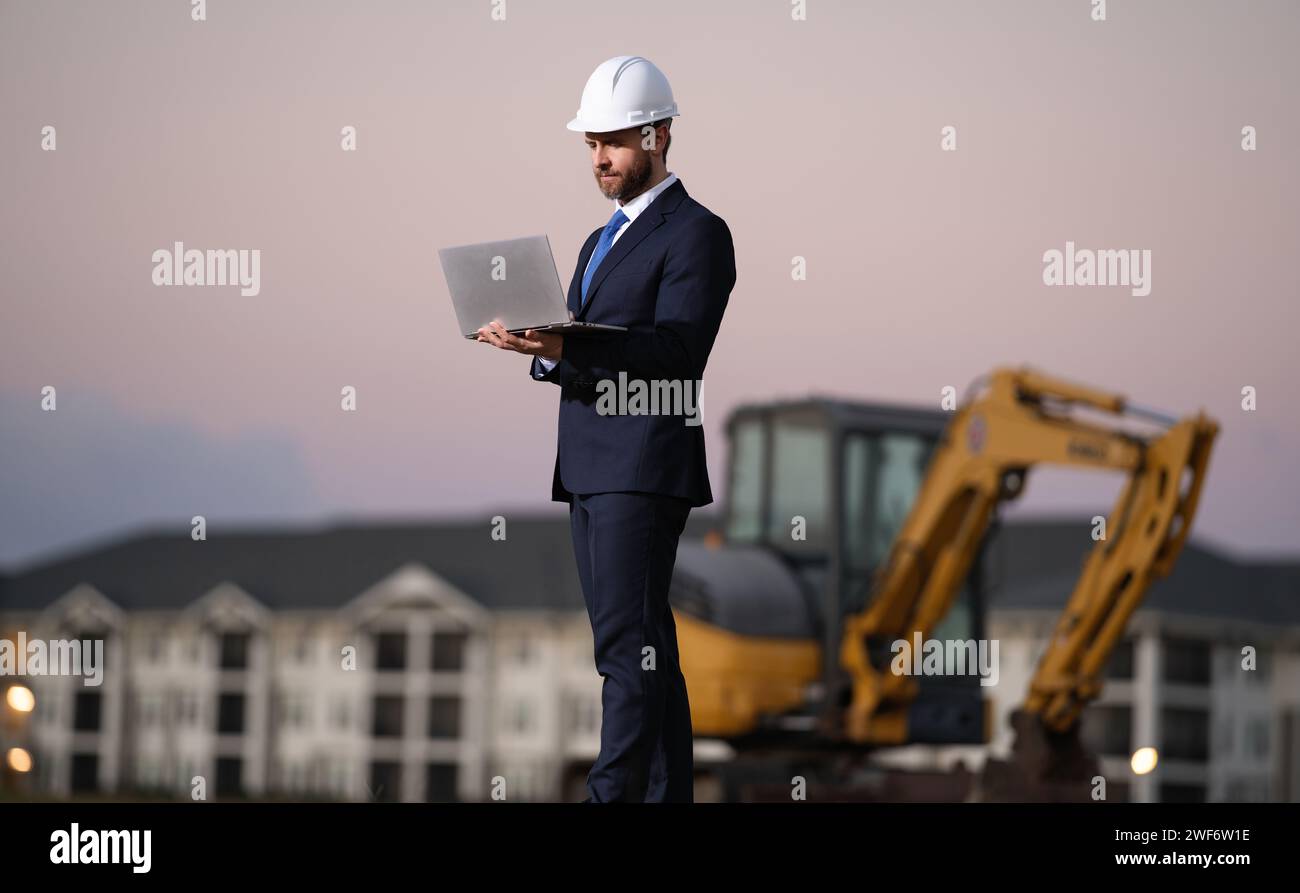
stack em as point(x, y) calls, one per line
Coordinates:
point(513, 280)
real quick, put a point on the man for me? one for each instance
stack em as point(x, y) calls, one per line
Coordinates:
point(663, 267)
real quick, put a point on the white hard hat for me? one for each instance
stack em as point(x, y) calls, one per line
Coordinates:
point(626, 91)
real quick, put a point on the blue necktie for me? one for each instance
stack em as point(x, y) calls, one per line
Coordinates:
point(602, 248)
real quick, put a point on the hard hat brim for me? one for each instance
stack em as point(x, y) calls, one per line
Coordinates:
point(606, 126)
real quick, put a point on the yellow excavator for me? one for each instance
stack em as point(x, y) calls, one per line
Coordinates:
point(851, 527)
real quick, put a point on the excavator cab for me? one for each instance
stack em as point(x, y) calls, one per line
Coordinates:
point(817, 492)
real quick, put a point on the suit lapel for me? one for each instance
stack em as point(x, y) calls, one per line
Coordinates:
point(574, 297)
point(646, 222)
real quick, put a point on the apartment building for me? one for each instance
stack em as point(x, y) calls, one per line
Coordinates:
point(435, 662)
point(1208, 672)
point(422, 662)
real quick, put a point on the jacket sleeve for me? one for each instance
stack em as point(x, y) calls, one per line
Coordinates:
point(539, 372)
point(698, 275)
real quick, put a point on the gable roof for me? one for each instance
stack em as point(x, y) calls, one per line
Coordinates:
point(294, 568)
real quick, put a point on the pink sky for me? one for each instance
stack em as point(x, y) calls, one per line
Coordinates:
point(816, 138)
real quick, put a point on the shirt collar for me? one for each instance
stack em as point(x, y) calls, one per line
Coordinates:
point(642, 201)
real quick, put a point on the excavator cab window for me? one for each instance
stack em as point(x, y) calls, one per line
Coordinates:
point(744, 522)
point(799, 518)
point(780, 488)
point(882, 474)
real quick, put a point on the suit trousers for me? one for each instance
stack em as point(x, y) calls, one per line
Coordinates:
point(626, 545)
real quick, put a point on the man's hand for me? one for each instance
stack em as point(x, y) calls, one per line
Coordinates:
point(539, 344)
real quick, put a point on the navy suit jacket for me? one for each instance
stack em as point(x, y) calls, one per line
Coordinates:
point(667, 279)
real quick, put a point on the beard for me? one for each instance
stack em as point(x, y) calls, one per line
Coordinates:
point(629, 185)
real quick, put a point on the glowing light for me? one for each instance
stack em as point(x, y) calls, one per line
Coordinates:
point(19, 760)
point(1144, 760)
point(20, 698)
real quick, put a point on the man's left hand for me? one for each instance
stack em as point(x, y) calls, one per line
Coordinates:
point(546, 345)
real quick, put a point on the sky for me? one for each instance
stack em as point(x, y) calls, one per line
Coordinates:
point(818, 138)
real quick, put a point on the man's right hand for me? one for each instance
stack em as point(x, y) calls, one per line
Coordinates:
point(546, 345)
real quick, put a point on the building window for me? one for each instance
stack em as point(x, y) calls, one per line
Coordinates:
point(582, 713)
point(1256, 738)
point(293, 710)
point(390, 651)
point(149, 709)
point(1182, 793)
point(440, 783)
point(1246, 790)
point(86, 711)
point(388, 716)
point(1120, 664)
point(234, 651)
point(85, 772)
point(449, 651)
point(147, 772)
point(1263, 666)
point(50, 715)
point(342, 714)
point(570, 715)
point(1223, 729)
point(230, 776)
point(1187, 662)
point(520, 719)
point(1186, 734)
point(1107, 729)
point(386, 781)
point(444, 716)
point(230, 714)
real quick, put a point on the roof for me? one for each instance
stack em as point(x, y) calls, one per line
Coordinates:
point(289, 569)
point(852, 414)
point(1033, 564)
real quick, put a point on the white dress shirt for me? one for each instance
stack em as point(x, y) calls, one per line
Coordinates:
point(630, 210)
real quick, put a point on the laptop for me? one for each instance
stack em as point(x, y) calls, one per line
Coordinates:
point(527, 296)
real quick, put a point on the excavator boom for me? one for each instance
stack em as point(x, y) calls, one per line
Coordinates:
point(1021, 419)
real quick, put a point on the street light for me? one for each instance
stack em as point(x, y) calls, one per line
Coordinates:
point(20, 702)
point(1144, 760)
point(19, 760)
point(21, 699)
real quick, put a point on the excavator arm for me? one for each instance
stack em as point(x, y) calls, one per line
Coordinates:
point(1021, 419)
